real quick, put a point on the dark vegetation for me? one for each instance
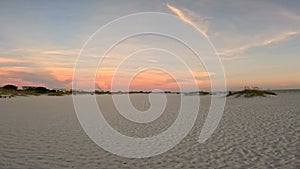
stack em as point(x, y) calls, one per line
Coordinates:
point(139, 92)
point(8, 91)
point(250, 92)
point(200, 93)
point(10, 87)
point(12, 90)
point(99, 92)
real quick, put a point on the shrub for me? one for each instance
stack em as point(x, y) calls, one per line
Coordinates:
point(10, 87)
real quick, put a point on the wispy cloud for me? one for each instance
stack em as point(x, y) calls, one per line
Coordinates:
point(290, 15)
point(8, 60)
point(259, 42)
point(187, 16)
point(245, 43)
point(61, 52)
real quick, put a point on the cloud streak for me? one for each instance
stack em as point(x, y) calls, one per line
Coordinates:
point(230, 53)
point(202, 26)
point(260, 43)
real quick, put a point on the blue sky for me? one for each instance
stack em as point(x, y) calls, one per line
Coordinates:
point(258, 41)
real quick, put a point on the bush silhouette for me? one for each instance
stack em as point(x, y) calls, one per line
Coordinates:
point(10, 87)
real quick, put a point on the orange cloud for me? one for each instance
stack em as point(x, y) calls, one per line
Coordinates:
point(149, 79)
point(152, 79)
point(6, 60)
point(60, 74)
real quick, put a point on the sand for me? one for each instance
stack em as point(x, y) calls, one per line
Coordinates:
point(43, 132)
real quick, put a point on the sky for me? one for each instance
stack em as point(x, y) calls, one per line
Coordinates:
point(258, 43)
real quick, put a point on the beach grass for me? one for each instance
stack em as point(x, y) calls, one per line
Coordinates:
point(251, 92)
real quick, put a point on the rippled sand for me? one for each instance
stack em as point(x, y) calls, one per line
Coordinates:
point(43, 132)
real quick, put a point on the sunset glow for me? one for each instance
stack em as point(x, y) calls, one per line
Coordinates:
point(257, 48)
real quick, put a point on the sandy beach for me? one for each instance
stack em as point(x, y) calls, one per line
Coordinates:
point(44, 132)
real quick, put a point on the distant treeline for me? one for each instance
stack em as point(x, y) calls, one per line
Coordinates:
point(13, 90)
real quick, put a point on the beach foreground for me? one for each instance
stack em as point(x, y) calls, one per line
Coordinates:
point(44, 132)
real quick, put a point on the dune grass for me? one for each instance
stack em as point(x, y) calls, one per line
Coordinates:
point(15, 92)
point(200, 93)
point(248, 92)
